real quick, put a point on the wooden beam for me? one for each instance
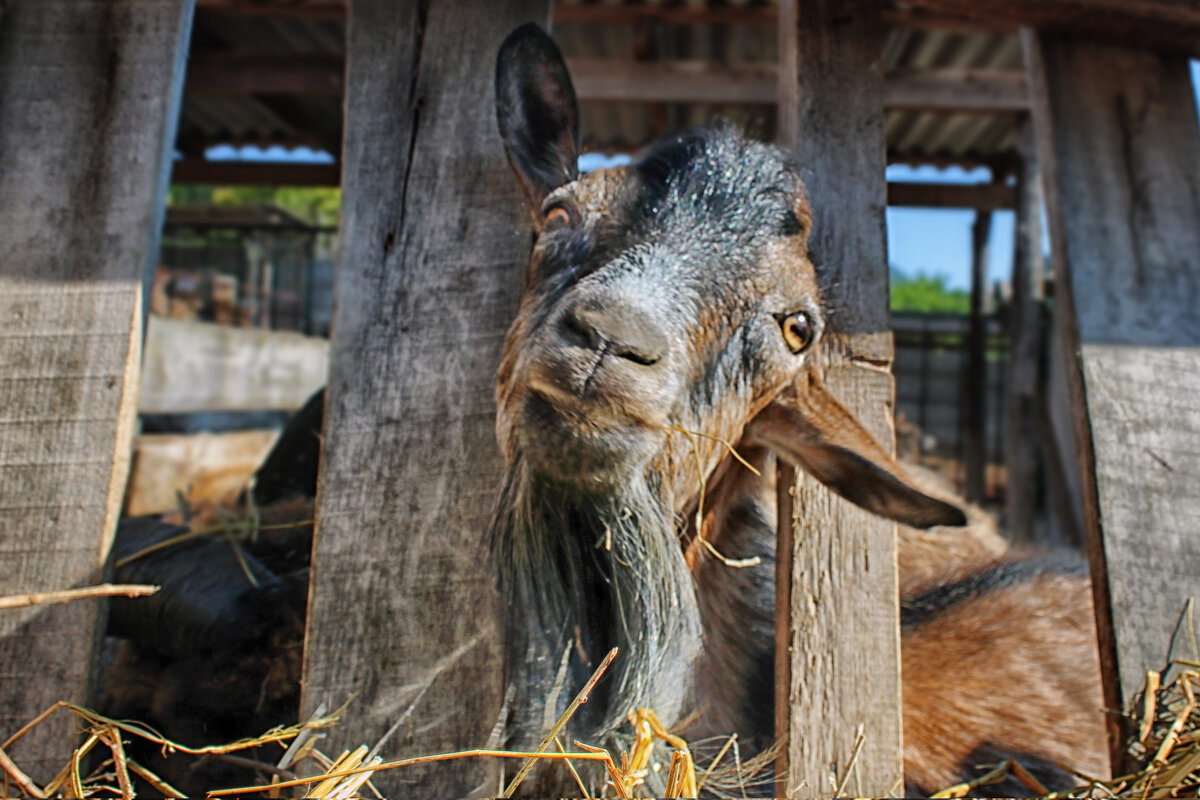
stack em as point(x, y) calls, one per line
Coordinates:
point(1120, 151)
point(89, 98)
point(198, 366)
point(435, 242)
point(618, 80)
point(1025, 349)
point(254, 173)
point(979, 196)
point(1152, 24)
point(962, 90)
point(244, 73)
point(688, 14)
point(975, 377)
point(630, 81)
point(1167, 25)
point(304, 9)
point(987, 91)
point(838, 656)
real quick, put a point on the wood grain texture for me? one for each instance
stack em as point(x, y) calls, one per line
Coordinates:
point(199, 366)
point(756, 83)
point(89, 95)
point(975, 392)
point(1025, 346)
point(844, 607)
point(1118, 139)
point(435, 244)
point(1166, 25)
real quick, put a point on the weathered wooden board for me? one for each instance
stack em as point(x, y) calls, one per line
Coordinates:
point(1167, 25)
point(981, 197)
point(975, 375)
point(844, 633)
point(755, 83)
point(89, 96)
point(205, 469)
point(198, 366)
point(435, 243)
point(1120, 149)
point(1025, 343)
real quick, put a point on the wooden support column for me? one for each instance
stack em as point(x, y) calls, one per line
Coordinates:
point(1120, 151)
point(89, 98)
point(842, 672)
point(976, 376)
point(1025, 343)
point(435, 242)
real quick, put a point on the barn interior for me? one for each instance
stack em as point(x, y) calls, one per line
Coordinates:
point(242, 319)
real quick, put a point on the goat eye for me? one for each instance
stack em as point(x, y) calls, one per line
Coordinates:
point(557, 217)
point(798, 331)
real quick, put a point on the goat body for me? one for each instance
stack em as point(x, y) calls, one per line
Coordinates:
point(671, 306)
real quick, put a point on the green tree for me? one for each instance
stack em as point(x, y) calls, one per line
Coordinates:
point(318, 205)
point(928, 293)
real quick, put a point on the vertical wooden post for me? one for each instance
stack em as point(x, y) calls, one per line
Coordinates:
point(844, 665)
point(976, 376)
point(1025, 327)
point(1120, 149)
point(89, 98)
point(435, 241)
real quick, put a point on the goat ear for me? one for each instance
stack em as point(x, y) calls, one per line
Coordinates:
point(537, 112)
point(809, 427)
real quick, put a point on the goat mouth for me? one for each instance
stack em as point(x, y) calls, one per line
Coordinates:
point(562, 437)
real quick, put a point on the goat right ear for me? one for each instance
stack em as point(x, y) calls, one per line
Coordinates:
point(537, 112)
point(807, 426)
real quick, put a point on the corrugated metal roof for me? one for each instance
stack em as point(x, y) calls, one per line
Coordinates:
point(315, 121)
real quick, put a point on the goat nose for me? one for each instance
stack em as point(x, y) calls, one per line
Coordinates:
point(626, 331)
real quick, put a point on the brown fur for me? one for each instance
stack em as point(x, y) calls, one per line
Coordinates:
point(1010, 673)
point(656, 325)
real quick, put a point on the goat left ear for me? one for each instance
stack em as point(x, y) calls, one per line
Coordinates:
point(537, 112)
point(806, 425)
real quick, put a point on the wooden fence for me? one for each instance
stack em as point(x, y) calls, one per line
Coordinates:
point(433, 248)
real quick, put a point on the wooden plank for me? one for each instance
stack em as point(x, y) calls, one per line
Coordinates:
point(975, 375)
point(198, 366)
point(679, 81)
point(1025, 347)
point(89, 96)
point(255, 173)
point(981, 197)
point(435, 242)
point(989, 91)
point(308, 74)
point(207, 470)
point(1166, 25)
point(619, 80)
point(844, 628)
point(301, 9)
point(669, 14)
point(1120, 149)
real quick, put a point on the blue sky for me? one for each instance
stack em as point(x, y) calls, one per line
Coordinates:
point(930, 241)
point(938, 242)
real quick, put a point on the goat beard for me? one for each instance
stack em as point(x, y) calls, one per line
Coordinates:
point(581, 572)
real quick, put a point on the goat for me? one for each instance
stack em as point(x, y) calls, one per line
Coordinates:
point(675, 297)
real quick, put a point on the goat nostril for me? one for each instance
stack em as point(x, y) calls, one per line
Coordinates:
point(638, 356)
point(626, 332)
point(578, 330)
